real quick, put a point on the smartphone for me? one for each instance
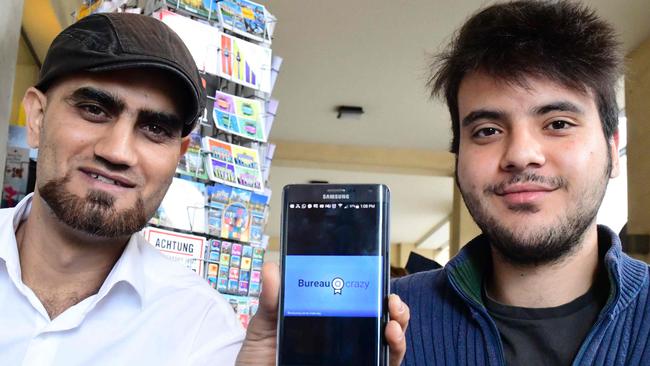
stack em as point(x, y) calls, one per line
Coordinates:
point(335, 275)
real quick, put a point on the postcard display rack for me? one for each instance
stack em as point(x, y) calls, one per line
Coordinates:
point(213, 217)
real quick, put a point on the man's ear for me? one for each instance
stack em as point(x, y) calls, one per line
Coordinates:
point(34, 103)
point(613, 144)
point(185, 143)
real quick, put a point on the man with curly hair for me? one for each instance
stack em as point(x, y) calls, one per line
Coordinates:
point(530, 87)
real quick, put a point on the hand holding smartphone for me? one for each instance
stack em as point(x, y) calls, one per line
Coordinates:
point(334, 280)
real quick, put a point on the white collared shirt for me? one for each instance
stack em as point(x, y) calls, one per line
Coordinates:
point(148, 311)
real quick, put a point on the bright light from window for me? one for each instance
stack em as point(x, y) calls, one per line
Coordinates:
point(613, 211)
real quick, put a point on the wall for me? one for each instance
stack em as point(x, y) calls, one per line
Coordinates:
point(26, 76)
point(637, 94)
point(10, 29)
point(463, 227)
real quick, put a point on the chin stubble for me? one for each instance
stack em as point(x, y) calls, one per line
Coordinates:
point(542, 245)
point(93, 214)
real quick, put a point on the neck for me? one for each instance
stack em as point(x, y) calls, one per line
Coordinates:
point(62, 265)
point(547, 285)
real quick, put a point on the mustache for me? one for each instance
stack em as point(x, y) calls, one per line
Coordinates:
point(527, 177)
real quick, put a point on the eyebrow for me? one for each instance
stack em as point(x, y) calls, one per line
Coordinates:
point(560, 106)
point(110, 101)
point(481, 114)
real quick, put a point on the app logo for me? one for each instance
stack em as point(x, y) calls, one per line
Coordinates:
point(337, 285)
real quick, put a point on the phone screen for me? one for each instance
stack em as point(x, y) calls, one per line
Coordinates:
point(333, 283)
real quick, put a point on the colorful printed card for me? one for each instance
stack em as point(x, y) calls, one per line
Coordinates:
point(244, 17)
point(233, 165)
point(203, 8)
point(201, 39)
point(223, 55)
point(218, 196)
point(215, 250)
point(245, 63)
point(258, 205)
point(213, 273)
point(239, 116)
point(238, 214)
point(183, 206)
point(191, 162)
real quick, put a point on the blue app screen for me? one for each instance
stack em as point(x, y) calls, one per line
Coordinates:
point(332, 285)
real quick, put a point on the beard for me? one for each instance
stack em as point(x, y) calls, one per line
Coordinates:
point(94, 214)
point(534, 246)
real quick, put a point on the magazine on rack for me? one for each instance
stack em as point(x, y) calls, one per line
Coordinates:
point(240, 116)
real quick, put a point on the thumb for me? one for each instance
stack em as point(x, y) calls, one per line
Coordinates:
point(264, 322)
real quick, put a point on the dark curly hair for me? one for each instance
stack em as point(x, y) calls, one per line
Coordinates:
point(558, 40)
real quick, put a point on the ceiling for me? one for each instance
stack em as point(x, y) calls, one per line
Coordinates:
point(371, 53)
point(374, 53)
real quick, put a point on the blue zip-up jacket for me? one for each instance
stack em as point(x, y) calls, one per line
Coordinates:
point(450, 326)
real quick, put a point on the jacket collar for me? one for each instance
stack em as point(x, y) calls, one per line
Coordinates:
point(626, 275)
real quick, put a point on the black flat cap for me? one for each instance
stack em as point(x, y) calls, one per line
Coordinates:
point(119, 41)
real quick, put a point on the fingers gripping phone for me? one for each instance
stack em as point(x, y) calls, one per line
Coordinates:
point(335, 269)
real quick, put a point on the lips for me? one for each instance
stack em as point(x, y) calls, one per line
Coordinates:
point(518, 194)
point(107, 178)
point(522, 188)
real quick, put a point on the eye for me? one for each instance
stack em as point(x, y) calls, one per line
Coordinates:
point(157, 132)
point(93, 111)
point(486, 132)
point(559, 125)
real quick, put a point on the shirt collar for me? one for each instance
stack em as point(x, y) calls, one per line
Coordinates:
point(626, 275)
point(128, 268)
point(9, 249)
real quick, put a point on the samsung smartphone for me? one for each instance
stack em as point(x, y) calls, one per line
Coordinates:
point(335, 275)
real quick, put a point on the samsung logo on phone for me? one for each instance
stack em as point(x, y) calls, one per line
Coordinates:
point(336, 196)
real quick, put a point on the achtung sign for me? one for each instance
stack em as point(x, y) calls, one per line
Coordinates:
point(185, 248)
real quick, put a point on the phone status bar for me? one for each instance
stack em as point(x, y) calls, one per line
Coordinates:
point(344, 206)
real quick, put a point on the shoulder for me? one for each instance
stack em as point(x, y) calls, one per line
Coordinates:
point(414, 286)
point(417, 280)
point(6, 215)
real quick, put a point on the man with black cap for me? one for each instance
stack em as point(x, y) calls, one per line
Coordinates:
point(116, 97)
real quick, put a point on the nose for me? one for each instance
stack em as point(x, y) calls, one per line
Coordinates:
point(523, 150)
point(117, 144)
